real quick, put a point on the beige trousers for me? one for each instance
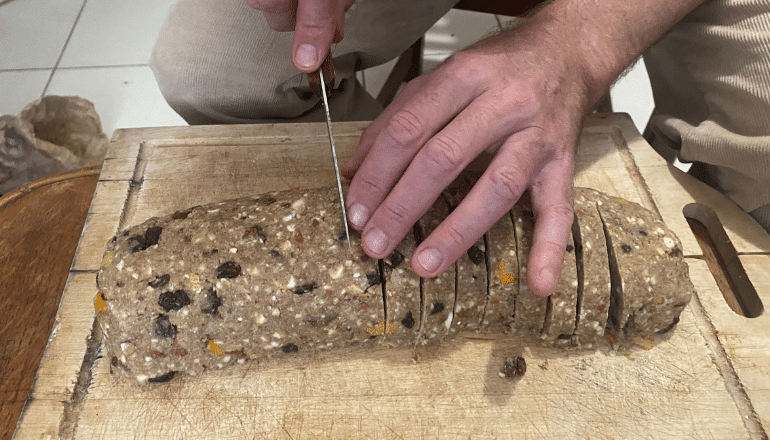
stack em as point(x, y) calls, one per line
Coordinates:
point(217, 62)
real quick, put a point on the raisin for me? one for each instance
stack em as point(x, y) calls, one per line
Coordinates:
point(155, 354)
point(160, 281)
point(163, 327)
point(187, 239)
point(114, 361)
point(211, 252)
point(315, 222)
point(570, 248)
point(437, 307)
point(181, 352)
point(214, 302)
point(514, 367)
point(309, 287)
point(396, 258)
point(163, 378)
point(373, 279)
point(642, 232)
point(275, 254)
point(181, 215)
point(676, 253)
point(298, 237)
point(230, 269)
point(121, 284)
point(173, 300)
point(144, 242)
point(626, 248)
point(476, 255)
point(670, 326)
point(342, 235)
point(290, 348)
point(286, 205)
point(255, 231)
point(266, 201)
point(408, 320)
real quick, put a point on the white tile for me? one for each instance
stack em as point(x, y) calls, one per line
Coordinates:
point(125, 97)
point(632, 94)
point(113, 33)
point(33, 32)
point(20, 87)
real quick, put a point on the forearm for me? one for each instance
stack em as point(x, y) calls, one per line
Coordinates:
point(603, 38)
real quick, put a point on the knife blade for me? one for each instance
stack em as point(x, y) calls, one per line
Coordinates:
point(319, 84)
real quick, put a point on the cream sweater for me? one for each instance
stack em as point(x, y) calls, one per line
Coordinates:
point(710, 77)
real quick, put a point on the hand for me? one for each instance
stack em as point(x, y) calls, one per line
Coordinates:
point(316, 25)
point(517, 95)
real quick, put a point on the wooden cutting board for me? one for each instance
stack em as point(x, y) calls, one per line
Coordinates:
point(707, 379)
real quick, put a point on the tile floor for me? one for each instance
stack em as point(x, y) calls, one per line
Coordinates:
point(99, 50)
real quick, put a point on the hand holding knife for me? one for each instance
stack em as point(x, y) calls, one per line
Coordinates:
point(321, 82)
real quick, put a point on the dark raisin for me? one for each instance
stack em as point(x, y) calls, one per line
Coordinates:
point(155, 354)
point(143, 242)
point(230, 269)
point(298, 237)
point(266, 201)
point(515, 367)
point(211, 252)
point(163, 378)
point(570, 248)
point(309, 287)
point(476, 255)
point(114, 361)
point(275, 254)
point(676, 253)
point(626, 248)
point(163, 327)
point(181, 352)
point(255, 231)
point(285, 205)
point(408, 320)
point(642, 232)
point(152, 236)
point(563, 336)
point(214, 302)
point(181, 215)
point(160, 281)
point(121, 284)
point(437, 307)
point(290, 348)
point(342, 235)
point(396, 258)
point(173, 300)
point(373, 279)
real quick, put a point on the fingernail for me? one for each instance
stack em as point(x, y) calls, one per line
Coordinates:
point(306, 56)
point(376, 241)
point(358, 215)
point(429, 259)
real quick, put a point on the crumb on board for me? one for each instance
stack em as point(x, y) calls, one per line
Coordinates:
point(514, 367)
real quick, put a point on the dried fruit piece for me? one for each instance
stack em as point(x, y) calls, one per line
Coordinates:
point(476, 255)
point(255, 231)
point(230, 269)
point(309, 287)
point(408, 320)
point(290, 348)
point(163, 328)
point(99, 303)
point(163, 378)
point(181, 215)
point(150, 238)
point(173, 300)
point(214, 302)
point(373, 279)
point(160, 281)
point(514, 367)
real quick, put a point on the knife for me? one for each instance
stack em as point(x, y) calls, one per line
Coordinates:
point(321, 81)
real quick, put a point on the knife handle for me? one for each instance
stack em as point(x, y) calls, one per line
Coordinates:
point(314, 79)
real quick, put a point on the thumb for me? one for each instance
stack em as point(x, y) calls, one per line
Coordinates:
point(317, 24)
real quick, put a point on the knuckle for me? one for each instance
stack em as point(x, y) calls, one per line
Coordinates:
point(563, 213)
point(445, 152)
point(508, 183)
point(372, 186)
point(405, 128)
point(396, 212)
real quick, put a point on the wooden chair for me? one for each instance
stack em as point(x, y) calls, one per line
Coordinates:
point(409, 64)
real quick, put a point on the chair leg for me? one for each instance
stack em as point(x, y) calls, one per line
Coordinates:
point(407, 68)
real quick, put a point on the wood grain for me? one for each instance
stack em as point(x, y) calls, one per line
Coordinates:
point(40, 226)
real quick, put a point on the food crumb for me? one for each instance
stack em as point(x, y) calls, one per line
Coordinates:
point(514, 367)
